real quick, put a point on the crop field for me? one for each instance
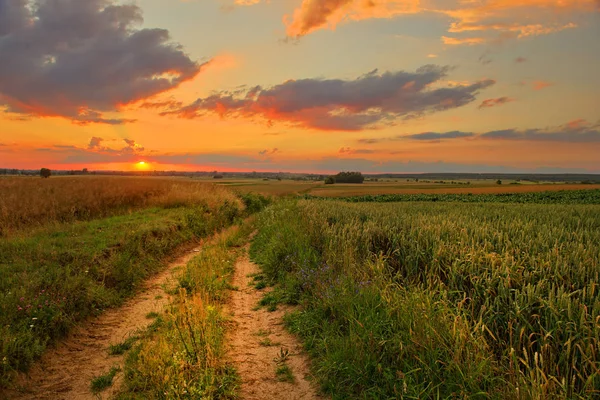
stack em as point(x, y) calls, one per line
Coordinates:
point(590, 196)
point(427, 292)
point(440, 300)
point(285, 187)
point(270, 187)
point(474, 187)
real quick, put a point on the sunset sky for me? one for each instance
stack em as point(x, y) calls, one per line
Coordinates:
point(301, 85)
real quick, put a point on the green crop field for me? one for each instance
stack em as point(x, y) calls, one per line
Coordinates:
point(441, 300)
point(590, 196)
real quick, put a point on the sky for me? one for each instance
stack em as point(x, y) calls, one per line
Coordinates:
point(320, 86)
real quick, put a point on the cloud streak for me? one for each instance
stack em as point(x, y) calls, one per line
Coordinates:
point(577, 131)
point(367, 102)
point(487, 103)
point(80, 59)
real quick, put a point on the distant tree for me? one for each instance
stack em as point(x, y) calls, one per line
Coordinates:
point(218, 177)
point(85, 171)
point(498, 182)
point(349, 177)
point(45, 173)
point(330, 180)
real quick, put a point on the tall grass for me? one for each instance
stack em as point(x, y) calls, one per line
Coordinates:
point(421, 300)
point(34, 202)
point(59, 274)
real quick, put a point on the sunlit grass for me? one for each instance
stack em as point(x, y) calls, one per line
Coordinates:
point(185, 356)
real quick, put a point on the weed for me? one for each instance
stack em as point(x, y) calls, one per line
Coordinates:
point(105, 381)
point(282, 356)
point(121, 348)
point(152, 315)
point(284, 373)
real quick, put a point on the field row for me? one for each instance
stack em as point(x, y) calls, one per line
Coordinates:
point(591, 196)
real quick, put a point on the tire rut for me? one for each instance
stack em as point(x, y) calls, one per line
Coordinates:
point(255, 362)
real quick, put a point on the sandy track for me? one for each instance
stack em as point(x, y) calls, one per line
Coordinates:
point(255, 362)
point(65, 372)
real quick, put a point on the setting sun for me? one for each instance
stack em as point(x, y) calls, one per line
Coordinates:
point(142, 165)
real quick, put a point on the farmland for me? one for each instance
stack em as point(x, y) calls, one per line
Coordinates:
point(591, 196)
point(393, 186)
point(441, 300)
point(396, 289)
point(473, 187)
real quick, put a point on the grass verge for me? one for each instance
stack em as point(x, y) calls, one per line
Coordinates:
point(184, 357)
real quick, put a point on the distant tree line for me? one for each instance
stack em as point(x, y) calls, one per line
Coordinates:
point(38, 172)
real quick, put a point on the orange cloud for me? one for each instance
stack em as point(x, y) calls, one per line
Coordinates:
point(539, 85)
point(317, 14)
point(512, 18)
point(458, 41)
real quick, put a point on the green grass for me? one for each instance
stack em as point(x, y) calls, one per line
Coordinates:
point(284, 374)
point(152, 315)
point(121, 348)
point(105, 381)
point(62, 274)
point(444, 300)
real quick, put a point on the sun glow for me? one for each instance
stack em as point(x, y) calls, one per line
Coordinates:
point(142, 165)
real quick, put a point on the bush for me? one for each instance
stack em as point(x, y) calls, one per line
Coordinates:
point(349, 177)
point(45, 173)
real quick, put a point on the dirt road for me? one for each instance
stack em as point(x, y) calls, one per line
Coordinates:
point(257, 339)
point(66, 372)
